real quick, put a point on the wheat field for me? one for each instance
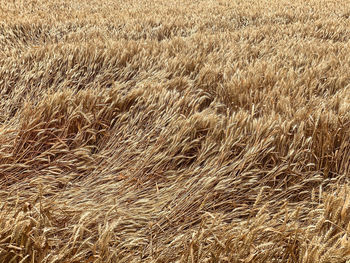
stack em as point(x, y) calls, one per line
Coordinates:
point(174, 131)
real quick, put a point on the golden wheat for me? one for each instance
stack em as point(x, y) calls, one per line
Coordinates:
point(174, 131)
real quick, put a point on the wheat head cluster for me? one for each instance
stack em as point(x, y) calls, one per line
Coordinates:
point(174, 131)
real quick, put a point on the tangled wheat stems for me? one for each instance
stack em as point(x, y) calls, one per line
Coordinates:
point(174, 131)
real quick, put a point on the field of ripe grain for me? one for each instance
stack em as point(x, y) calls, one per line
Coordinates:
point(174, 131)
